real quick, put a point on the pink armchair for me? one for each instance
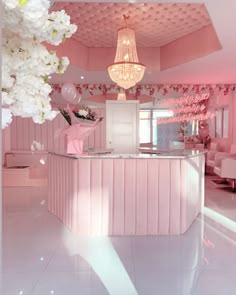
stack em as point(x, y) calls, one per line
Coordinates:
point(226, 168)
point(214, 155)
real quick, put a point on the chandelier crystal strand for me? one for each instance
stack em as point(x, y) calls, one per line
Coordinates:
point(126, 70)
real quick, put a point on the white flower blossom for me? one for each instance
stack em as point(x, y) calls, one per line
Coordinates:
point(33, 21)
point(83, 113)
point(6, 117)
point(36, 146)
point(6, 99)
point(11, 4)
point(7, 80)
point(26, 62)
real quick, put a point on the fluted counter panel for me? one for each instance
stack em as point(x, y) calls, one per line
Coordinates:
point(126, 196)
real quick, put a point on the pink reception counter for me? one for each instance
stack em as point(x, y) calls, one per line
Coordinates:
point(133, 194)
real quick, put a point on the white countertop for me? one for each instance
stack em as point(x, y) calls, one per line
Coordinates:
point(173, 154)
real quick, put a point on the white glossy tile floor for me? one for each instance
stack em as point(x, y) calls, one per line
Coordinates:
point(220, 198)
point(41, 257)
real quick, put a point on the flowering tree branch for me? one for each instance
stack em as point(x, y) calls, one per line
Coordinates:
point(26, 62)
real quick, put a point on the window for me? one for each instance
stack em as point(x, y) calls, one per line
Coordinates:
point(222, 122)
point(145, 123)
point(225, 122)
point(218, 118)
point(148, 124)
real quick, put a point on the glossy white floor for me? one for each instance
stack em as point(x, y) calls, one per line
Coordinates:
point(40, 256)
point(220, 198)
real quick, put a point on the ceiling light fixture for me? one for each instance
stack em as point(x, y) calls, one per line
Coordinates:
point(121, 96)
point(126, 70)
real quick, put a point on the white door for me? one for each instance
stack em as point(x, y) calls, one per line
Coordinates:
point(122, 133)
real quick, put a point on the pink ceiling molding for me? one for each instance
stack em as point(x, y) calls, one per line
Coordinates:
point(151, 90)
point(98, 59)
point(186, 49)
point(195, 45)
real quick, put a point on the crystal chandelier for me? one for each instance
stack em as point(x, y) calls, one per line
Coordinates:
point(126, 70)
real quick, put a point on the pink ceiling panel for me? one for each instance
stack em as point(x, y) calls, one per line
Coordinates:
point(155, 24)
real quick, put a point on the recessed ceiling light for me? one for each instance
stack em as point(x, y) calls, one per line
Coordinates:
point(82, 77)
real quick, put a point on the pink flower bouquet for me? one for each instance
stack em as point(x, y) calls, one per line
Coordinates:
point(83, 121)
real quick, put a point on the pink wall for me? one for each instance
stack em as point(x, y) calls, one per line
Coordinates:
point(76, 52)
point(233, 115)
point(190, 47)
point(98, 59)
point(24, 132)
point(6, 139)
point(6, 142)
point(220, 101)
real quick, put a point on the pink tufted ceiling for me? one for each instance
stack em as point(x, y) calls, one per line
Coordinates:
point(155, 24)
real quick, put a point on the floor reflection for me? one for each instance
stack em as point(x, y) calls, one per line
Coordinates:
point(101, 255)
point(41, 256)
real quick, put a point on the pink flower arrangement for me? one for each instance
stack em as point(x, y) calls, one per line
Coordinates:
point(85, 113)
point(79, 112)
point(82, 122)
